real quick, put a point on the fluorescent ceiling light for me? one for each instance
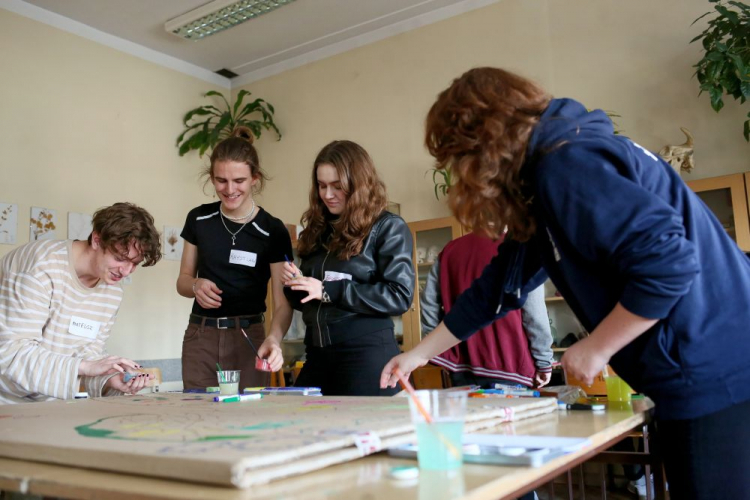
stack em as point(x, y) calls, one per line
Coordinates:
point(219, 15)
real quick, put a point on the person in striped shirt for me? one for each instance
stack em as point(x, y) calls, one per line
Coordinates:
point(58, 302)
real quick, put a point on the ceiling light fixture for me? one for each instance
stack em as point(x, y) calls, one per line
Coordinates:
point(219, 15)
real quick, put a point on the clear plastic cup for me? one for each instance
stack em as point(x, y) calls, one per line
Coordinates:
point(439, 441)
point(229, 381)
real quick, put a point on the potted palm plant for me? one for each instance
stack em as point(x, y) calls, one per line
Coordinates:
point(210, 124)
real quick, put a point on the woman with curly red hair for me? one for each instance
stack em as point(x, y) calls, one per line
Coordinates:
point(641, 261)
point(356, 272)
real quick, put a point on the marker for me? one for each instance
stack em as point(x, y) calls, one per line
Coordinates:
point(127, 376)
point(514, 392)
point(236, 397)
point(289, 391)
point(294, 275)
point(580, 406)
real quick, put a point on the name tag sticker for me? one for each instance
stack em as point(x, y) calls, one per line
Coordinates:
point(83, 327)
point(334, 276)
point(243, 258)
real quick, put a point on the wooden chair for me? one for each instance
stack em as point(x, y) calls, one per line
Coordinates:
point(277, 379)
point(430, 377)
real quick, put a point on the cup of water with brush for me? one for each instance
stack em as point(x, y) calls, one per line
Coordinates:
point(438, 418)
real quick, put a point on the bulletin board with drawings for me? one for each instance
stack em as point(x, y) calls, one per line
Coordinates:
point(190, 437)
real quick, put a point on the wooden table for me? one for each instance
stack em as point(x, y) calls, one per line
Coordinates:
point(364, 479)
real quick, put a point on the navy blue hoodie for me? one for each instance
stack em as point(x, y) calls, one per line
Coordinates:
point(617, 224)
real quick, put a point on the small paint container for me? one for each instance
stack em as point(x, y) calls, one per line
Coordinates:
point(403, 472)
point(262, 365)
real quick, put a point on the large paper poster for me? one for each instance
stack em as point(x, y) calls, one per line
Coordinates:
point(191, 437)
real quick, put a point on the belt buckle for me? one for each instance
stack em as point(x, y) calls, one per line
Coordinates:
point(218, 323)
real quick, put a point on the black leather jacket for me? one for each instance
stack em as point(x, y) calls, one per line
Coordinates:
point(364, 291)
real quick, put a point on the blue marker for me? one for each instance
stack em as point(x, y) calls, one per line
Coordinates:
point(294, 275)
point(127, 376)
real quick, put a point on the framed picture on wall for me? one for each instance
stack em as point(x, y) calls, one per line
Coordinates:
point(172, 243)
point(79, 226)
point(43, 224)
point(8, 223)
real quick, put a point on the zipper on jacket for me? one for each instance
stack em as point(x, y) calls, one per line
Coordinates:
point(320, 304)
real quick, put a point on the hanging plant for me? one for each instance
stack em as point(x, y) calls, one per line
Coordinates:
point(725, 66)
point(210, 124)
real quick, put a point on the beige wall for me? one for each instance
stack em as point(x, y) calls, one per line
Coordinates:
point(631, 57)
point(84, 125)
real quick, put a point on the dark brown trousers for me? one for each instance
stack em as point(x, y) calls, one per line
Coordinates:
point(204, 346)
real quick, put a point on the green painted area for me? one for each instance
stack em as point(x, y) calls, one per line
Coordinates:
point(88, 431)
point(222, 438)
point(268, 425)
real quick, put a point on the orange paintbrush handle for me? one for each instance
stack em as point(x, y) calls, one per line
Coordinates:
point(408, 388)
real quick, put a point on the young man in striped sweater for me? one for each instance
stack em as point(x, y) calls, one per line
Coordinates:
point(58, 302)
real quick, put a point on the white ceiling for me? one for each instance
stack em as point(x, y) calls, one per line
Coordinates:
point(298, 33)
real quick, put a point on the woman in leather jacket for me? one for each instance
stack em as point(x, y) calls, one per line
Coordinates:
point(356, 272)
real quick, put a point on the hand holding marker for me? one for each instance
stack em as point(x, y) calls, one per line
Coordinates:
point(295, 274)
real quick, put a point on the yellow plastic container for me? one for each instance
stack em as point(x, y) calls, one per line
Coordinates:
point(617, 389)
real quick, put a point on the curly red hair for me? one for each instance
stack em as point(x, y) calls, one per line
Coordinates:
point(479, 129)
point(365, 201)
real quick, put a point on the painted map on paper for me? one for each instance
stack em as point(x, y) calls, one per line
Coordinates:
point(191, 437)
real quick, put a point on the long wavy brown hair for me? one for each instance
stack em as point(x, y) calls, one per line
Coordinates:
point(365, 201)
point(479, 129)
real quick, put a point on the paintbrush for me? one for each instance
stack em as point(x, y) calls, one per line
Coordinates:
point(221, 373)
point(251, 344)
point(427, 418)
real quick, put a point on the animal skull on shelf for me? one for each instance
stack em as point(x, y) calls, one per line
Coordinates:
point(680, 157)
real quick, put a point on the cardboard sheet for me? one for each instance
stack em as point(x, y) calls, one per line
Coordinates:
point(190, 437)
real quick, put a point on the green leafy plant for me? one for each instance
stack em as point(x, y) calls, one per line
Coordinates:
point(442, 180)
point(210, 124)
point(725, 66)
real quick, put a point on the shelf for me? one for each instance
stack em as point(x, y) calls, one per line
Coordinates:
point(559, 349)
point(553, 299)
point(293, 341)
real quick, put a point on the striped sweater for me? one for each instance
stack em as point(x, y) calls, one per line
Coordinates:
point(49, 322)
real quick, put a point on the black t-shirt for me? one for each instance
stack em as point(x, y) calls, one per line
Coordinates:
point(241, 271)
